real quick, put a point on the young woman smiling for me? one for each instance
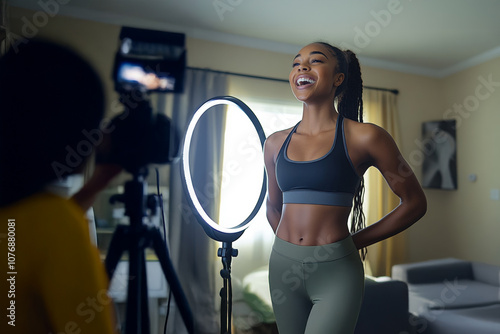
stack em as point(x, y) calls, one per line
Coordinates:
point(315, 179)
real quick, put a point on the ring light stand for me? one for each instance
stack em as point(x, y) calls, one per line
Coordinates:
point(219, 233)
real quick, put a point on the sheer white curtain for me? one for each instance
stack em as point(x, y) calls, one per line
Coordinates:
point(193, 252)
point(276, 108)
point(255, 244)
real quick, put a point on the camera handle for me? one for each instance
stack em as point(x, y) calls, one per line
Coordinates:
point(135, 238)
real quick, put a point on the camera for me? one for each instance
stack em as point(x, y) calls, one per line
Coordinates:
point(147, 61)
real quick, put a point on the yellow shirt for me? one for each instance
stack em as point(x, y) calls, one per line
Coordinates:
point(53, 280)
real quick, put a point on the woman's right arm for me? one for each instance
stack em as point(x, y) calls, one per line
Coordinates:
point(274, 200)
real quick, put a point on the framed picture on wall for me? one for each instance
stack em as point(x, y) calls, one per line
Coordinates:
point(439, 169)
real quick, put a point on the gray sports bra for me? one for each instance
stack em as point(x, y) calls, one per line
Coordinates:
point(329, 180)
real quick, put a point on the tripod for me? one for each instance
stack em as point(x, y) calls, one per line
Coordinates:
point(135, 238)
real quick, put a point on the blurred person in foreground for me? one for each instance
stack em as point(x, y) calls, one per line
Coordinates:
point(50, 101)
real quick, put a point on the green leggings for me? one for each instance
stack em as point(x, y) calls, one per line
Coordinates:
point(316, 289)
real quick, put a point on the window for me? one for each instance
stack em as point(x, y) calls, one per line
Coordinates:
point(242, 181)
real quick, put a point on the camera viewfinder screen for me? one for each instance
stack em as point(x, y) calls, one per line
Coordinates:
point(135, 76)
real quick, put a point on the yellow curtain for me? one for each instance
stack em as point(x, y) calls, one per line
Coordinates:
point(380, 108)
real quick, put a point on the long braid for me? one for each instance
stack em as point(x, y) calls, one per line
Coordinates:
point(349, 98)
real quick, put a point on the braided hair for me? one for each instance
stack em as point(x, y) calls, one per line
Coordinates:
point(348, 97)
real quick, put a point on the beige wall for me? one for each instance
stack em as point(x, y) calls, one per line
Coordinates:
point(463, 223)
point(471, 218)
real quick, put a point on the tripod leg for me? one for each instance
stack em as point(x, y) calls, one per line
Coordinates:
point(116, 249)
point(133, 313)
point(145, 325)
point(169, 271)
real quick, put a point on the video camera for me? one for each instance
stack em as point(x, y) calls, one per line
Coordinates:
point(147, 61)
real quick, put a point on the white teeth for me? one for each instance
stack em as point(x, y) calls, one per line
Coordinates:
point(301, 81)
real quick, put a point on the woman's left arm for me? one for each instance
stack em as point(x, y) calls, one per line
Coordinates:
point(384, 154)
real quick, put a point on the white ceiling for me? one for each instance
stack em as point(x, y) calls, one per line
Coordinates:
point(428, 37)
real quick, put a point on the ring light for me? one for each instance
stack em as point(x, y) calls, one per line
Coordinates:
point(212, 228)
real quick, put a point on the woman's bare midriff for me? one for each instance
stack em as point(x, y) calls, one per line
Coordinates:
point(313, 225)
